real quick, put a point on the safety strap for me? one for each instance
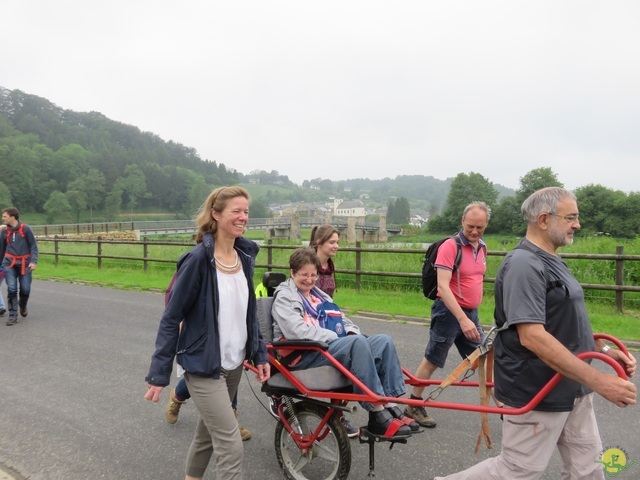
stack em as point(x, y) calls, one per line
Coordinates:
point(469, 364)
point(481, 359)
point(485, 376)
point(21, 258)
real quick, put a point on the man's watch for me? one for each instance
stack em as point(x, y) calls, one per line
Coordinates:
point(605, 349)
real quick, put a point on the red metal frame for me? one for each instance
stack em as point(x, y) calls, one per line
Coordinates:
point(340, 398)
point(306, 441)
point(371, 397)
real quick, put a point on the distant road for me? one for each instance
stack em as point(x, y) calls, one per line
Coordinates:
point(72, 404)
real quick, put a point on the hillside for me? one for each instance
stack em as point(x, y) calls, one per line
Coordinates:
point(64, 163)
point(46, 149)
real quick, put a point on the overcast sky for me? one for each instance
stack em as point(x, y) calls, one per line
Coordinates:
point(351, 88)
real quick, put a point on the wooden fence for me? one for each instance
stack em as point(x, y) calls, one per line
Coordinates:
point(358, 272)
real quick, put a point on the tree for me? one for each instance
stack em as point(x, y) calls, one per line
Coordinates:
point(398, 211)
point(19, 168)
point(535, 180)
point(113, 203)
point(198, 192)
point(465, 189)
point(69, 162)
point(403, 210)
point(257, 209)
point(57, 207)
point(133, 185)
point(77, 197)
point(391, 211)
point(5, 195)
point(94, 183)
point(506, 218)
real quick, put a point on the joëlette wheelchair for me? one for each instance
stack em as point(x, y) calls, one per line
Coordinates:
point(310, 441)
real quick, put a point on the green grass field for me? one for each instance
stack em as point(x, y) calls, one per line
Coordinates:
point(604, 317)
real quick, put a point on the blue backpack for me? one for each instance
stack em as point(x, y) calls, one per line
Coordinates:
point(330, 317)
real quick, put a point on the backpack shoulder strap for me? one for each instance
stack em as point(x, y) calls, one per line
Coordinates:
point(551, 283)
point(458, 259)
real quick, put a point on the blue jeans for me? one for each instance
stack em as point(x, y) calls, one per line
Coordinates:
point(13, 277)
point(445, 332)
point(372, 360)
point(2, 305)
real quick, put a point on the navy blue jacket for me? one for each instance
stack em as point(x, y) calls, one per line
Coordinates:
point(194, 298)
point(18, 244)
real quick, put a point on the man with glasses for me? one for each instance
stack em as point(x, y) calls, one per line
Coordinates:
point(454, 313)
point(543, 306)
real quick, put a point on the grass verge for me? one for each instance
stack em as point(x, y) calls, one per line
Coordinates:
point(604, 318)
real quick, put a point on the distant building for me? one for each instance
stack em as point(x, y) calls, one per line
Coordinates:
point(418, 220)
point(349, 208)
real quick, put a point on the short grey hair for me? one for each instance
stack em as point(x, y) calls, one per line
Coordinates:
point(545, 200)
point(481, 206)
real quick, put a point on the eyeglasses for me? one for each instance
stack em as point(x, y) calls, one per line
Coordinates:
point(567, 218)
point(308, 276)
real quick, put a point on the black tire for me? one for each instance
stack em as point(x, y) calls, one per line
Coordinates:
point(328, 459)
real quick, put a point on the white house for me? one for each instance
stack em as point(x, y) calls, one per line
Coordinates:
point(349, 208)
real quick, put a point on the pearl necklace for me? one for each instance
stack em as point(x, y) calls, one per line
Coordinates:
point(221, 267)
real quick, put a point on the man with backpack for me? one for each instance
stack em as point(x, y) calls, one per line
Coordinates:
point(541, 304)
point(454, 313)
point(19, 254)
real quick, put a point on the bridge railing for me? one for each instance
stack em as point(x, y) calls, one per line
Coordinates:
point(152, 227)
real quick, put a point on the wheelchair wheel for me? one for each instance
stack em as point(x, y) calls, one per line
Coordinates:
point(330, 456)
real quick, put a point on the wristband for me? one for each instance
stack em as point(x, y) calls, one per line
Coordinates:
point(605, 349)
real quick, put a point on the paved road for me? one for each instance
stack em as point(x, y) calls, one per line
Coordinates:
point(72, 405)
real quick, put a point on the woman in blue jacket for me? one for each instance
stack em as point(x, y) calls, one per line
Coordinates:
point(213, 293)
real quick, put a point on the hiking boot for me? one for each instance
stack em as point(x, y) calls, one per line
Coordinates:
point(12, 320)
point(382, 423)
point(352, 432)
point(172, 410)
point(419, 414)
point(2, 311)
point(245, 433)
point(23, 311)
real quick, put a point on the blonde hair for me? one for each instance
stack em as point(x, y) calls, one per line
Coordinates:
point(217, 200)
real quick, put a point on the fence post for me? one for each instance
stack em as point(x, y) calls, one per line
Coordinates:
point(56, 249)
point(619, 278)
point(145, 251)
point(99, 252)
point(269, 252)
point(358, 265)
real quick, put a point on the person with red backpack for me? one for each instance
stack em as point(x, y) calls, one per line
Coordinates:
point(19, 254)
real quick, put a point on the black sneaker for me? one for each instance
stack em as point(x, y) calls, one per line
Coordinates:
point(352, 432)
point(2, 311)
point(274, 403)
point(380, 423)
point(12, 320)
point(397, 413)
